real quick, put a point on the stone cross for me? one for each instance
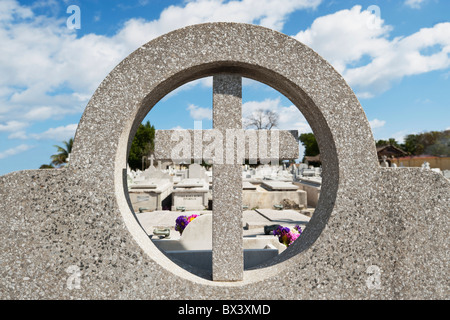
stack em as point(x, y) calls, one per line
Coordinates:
point(227, 252)
point(227, 255)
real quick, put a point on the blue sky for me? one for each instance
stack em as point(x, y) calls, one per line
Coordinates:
point(394, 54)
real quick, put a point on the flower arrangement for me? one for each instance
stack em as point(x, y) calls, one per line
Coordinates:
point(287, 236)
point(183, 221)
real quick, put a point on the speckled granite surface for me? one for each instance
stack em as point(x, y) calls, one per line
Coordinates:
point(395, 220)
point(227, 253)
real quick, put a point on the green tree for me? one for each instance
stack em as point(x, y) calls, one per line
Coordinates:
point(440, 149)
point(47, 166)
point(60, 159)
point(391, 142)
point(309, 142)
point(412, 145)
point(143, 145)
point(432, 142)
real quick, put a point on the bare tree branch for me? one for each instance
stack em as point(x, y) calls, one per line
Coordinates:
point(262, 120)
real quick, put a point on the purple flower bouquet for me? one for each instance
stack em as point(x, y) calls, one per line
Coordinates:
point(287, 236)
point(183, 221)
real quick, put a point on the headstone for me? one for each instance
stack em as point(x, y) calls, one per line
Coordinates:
point(426, 165)
point(196, 171)
point(308, 172)
point(151, 158)
point(384, 163)
point(152, 173)
point(312, 187)
point(446, 174)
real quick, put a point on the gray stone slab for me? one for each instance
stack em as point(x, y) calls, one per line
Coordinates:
point(284, 216)
point(162, 219)
point(191, 183)
point(246, 185)
point(143, 186)
point(279, 185)
point(252, 219)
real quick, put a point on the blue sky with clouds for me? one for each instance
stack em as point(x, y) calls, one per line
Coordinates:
point(394, 54)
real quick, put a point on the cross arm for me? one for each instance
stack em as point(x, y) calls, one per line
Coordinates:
point(254, 145)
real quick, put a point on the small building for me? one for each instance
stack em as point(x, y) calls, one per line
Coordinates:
point(390, 152)
point(313, 160)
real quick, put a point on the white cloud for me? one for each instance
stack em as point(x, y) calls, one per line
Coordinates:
point(49, 112)
point(401, 135)
point(49, 72)
point(9, 9)
point(268, 13)
point(415, 4)
point(364, 55)
point(198, 113)
point(289, 117)
point(375, 123)
point(204, 82)
point(345, 37)
point(12, 125)
point(18, 135)
point(16, 150)
point(48, 68)
point(59, 133)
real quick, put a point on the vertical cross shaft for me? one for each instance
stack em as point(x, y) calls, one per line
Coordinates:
point(227, 254)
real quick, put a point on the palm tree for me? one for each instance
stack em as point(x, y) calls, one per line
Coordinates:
point(47, 166)
point(61, 157)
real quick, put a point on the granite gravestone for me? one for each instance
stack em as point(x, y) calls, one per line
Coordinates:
point(377, 233)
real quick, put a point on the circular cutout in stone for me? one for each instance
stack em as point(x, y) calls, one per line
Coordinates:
point(228, 51)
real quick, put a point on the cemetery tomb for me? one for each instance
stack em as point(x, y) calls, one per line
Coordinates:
point(190, 194)
point(150, 189)
point(312, 186)
point(151, 195)
point(270, 193)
